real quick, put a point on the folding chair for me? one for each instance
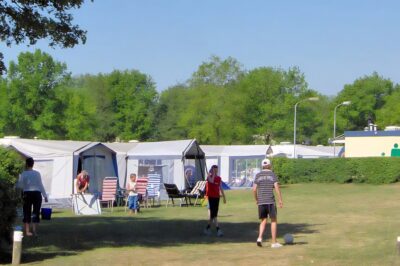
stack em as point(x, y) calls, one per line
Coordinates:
point(153, 187)
point(174, 193)
point(109, 191)
point(197, 192)
point(141, 188)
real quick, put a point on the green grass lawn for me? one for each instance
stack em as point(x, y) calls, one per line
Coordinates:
point(332, 225)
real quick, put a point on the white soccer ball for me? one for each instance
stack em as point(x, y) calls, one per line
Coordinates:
point(288, 238)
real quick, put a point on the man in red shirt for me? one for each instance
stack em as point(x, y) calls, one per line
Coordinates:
point(213, 192)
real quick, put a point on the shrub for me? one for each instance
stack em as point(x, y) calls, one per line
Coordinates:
point(338, 170)
point(11, 164)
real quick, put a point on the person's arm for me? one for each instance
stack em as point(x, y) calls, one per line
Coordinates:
point(278, 192)
point(20, 184)
point(41, 187)
point(222, 193)
point(85, 187)
point(255, 192)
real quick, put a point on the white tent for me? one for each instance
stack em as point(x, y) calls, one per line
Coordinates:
point(121, 149)
point(60, 161)
point(239, 164)
point(169, 159)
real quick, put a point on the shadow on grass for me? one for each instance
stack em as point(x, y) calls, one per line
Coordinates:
point(66, 236)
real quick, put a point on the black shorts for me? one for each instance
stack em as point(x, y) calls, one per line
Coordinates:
point(267, 210)
point(32, 203)
point(213, 204)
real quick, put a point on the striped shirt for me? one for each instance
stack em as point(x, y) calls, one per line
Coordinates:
point(265, 181)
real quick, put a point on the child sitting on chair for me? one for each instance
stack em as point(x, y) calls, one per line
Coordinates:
point(133, 195)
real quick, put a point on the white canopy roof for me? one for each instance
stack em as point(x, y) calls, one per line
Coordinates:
point(234, 150)
point(45, 148)
point(261, 150)
point(186, 148)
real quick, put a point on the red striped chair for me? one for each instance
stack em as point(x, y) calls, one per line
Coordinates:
point(109, 191)
point(141, 188)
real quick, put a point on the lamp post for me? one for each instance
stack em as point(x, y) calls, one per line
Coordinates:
point(334, 124)
point(313, 99)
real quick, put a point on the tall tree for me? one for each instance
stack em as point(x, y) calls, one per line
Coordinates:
point(367, 95)
point(172, 105)
point(217, 72)
point(133, 101)
point(22, 20)
point(33, 107)
point(389, 114)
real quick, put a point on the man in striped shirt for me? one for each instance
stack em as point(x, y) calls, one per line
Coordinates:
point(263, 189)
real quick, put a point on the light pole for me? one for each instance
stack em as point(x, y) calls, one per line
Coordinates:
point(334, 124)
point(294, 123)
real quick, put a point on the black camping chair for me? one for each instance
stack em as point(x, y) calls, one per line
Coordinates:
point(174, 193)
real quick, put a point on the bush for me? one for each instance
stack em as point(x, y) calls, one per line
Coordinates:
point(381, 170)
point(11, 165)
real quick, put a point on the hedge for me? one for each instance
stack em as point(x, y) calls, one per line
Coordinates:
point(11, 165)
point(371, 170)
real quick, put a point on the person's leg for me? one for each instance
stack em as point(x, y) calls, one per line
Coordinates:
point(131, 204)
point(263, 223)
point(273, 229)
point(215, 216)
point(211, 216)
point(262, 215)
point(37, 203)
point(135, 204)
point(27, 210)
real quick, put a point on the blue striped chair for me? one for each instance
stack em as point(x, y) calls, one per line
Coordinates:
point(153, 188)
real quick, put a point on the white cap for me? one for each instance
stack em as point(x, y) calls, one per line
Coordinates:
point(265, 162)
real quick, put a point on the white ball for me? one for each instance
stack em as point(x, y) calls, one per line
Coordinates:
point(288, 238)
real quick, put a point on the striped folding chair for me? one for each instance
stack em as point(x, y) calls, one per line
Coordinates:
point(109, 191)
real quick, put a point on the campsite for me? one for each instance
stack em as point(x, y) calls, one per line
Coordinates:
point(199, 132)
point(332, 224)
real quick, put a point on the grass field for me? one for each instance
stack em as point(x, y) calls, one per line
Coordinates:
point(332, 225)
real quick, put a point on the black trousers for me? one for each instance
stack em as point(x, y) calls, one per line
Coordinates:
point(32, 203)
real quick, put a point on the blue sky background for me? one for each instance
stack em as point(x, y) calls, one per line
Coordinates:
point(332, 42)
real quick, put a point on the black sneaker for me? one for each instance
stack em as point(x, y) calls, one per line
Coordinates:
point(259, 244)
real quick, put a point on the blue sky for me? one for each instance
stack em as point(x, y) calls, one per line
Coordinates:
point(332, 42)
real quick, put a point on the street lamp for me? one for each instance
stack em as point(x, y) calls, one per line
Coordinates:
point(334, 124)
point(312, 99)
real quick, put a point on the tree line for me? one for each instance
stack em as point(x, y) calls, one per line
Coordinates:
point(221, 103)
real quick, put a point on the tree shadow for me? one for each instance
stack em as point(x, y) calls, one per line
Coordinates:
point(66, 236)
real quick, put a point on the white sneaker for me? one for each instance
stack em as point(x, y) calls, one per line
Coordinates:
point(207, 232)
point(276, 245)
point(220, 233)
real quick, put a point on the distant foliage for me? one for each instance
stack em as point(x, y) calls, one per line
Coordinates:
point(338, 170)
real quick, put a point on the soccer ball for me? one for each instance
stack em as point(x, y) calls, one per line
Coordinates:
point(288, 239)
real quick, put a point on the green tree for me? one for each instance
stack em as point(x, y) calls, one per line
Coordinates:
point(33, 107)
point(172, 105)
point(389, 114)
point(217, 72)
point(29, 20)
point(133, 101)
point(80, 116)
point(367, 95)
point(263, 104)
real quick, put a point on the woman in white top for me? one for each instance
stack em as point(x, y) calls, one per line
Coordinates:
point(30, 182)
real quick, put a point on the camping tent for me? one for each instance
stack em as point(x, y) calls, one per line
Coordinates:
point(240, 163)
point(237, 163)
point(170, 159)
point(121, 149)
point(60, 161)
